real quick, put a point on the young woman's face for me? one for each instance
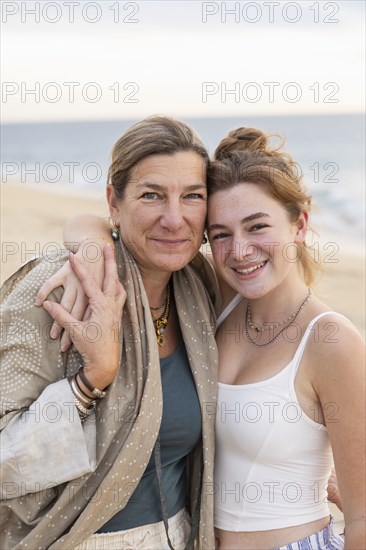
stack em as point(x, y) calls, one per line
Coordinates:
point(163, 211)
point(253, 242)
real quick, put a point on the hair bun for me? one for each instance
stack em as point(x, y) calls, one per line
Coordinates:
point(242, 139)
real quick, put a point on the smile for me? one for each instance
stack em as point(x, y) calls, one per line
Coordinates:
point(170, 242)
point(250, 269)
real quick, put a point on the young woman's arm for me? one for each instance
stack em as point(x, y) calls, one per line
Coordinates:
point(86, 228)
point(340, 385)
point(85, 236)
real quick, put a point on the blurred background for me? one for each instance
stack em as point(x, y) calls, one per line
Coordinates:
point(75, 75)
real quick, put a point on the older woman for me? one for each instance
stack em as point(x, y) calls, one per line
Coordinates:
point(291, 374)
point(100, 444)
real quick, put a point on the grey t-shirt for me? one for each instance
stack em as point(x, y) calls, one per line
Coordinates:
point(180, 431)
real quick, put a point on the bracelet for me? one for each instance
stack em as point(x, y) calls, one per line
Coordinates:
point(99, 394)
point(84, 412)
point(80, 388)
point(84, 399)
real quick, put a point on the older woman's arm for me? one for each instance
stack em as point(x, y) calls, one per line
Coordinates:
point(43, 441)
point(46, 445)
point(40, 425)
point(101, 356)
point(340, 385)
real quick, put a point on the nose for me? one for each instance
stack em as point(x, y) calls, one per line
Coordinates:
point(242, 249)
point(172, 217)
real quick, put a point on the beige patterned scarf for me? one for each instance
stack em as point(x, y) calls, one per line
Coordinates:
point(126, 429)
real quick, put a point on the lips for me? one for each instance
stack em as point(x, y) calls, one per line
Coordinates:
point(170, 242)
point(249, 269)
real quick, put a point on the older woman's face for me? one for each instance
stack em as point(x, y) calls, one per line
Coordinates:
point(162, 214)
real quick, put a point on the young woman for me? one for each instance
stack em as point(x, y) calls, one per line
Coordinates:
point(291, 371)
point(291, 374)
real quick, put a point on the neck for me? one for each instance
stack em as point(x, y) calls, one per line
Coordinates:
point(155, 287)
point(277, 304)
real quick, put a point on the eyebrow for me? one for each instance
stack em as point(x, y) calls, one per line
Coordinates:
point(244, 220)
point(193, 187)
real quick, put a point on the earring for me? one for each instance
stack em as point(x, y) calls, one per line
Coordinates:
point(114, 230)
point(204, 238)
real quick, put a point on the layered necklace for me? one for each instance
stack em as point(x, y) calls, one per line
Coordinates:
point(259, 329)
point(161, 322)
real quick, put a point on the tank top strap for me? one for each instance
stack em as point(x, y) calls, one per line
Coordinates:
point(228, 309)
point(295, 363)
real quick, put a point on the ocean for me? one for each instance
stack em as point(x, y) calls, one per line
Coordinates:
point(329, 151)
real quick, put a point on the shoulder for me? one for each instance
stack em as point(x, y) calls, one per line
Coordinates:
point(336, 334)
point(24, 284)
point(337, 349)
point(30, 359)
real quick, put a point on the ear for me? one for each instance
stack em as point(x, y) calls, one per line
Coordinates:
point(302, 227)
point(113, 204)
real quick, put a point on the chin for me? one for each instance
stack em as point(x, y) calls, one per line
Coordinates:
point(172, 263)
point(250, 291)
point(178, 260)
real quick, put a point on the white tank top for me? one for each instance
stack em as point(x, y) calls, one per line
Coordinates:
point(272, 461)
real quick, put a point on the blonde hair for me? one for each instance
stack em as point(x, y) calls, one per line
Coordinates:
point(246, 156)
point(155, 135)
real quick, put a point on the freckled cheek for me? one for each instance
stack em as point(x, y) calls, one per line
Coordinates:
point(220, 252)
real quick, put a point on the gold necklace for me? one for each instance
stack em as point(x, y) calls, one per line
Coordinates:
point(161, 322)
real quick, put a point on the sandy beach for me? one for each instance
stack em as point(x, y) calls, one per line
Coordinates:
point(32, 219)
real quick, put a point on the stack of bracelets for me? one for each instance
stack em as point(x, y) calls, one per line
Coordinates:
point(83, 402)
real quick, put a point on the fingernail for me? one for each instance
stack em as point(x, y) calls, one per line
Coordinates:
point(37, 302)
point(47, 306)
point(53, 333)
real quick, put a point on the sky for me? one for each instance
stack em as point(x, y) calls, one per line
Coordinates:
point(81, 60)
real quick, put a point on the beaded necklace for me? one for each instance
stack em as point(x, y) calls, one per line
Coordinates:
point(288, 322)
